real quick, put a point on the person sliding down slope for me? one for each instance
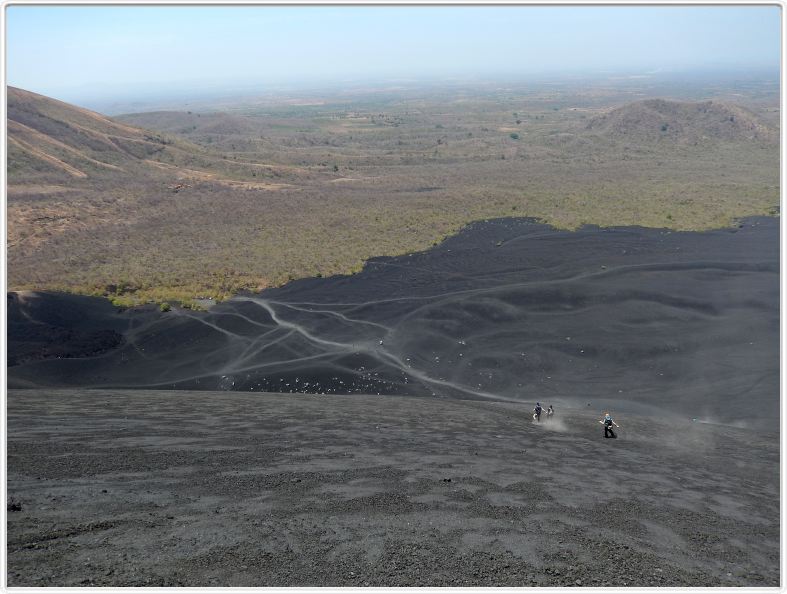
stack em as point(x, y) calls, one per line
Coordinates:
point(537, 412)
point(550, 412)
point(608, 423)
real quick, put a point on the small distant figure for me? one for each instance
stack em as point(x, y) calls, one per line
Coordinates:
point(609, 423)
point(537, 412)
point(550, 412)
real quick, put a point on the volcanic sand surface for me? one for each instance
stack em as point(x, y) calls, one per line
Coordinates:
point(657, 322)
point(144, 488)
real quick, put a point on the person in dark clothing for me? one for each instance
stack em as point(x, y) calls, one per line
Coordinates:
point(537, 412)
point(609, 423)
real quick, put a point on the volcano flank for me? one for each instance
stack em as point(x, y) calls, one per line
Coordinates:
point(652, 320)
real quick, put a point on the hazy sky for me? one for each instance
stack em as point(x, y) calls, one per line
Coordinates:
point(83, 52)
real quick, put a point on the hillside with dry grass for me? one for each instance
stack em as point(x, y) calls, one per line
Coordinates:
point(56, 142)
point(178, 205)
point(681, 122)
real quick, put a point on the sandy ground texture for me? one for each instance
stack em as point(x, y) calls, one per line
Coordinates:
point(146, 488)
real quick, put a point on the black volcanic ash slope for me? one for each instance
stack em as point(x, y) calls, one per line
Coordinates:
point(511, 309)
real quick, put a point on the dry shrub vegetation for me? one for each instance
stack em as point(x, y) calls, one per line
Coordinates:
point(173, 206)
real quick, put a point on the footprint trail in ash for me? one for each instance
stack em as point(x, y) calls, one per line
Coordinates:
point(508, 309)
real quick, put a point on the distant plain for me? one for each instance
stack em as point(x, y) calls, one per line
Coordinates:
point(249, 194)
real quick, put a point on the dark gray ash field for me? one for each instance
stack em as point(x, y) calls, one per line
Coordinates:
point(675, 332)
point(676, 323)
point(141, 488)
